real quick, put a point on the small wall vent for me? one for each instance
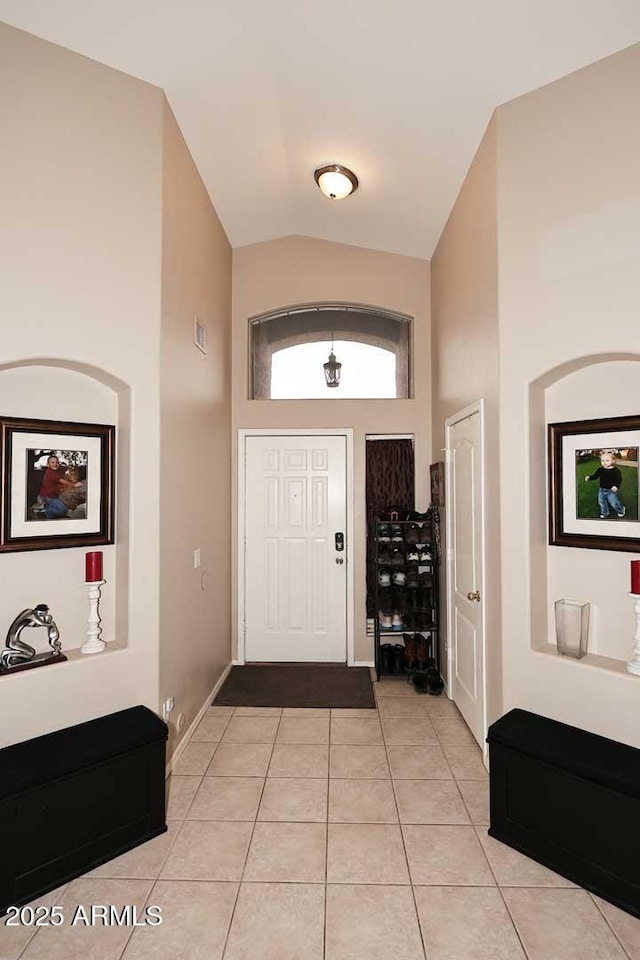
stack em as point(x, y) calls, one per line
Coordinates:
point(199, 334)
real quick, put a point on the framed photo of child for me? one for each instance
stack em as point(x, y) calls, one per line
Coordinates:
point(56, 484)
point(593, 484)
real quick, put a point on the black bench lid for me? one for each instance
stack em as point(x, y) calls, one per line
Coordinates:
point(587, 755)
point(38, 761)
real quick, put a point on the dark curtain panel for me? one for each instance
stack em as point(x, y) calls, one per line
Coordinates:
point(390, 482)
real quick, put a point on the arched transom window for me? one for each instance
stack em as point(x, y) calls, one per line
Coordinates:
point(289, 348)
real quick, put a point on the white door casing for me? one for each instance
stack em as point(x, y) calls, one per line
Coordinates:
point(465, 566)
point(292, 592)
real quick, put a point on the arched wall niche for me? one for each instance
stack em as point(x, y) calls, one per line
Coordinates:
point(289, 326)
point(589, 387)
point(60, 389)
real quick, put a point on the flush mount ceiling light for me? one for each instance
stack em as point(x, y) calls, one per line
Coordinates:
point(335, 181)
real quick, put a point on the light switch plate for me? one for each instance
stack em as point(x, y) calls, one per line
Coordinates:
point(199, 334)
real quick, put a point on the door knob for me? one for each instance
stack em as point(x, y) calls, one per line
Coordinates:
point(474, 595)
point(339, 560)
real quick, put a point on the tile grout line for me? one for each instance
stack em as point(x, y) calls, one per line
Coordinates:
point(244, 865)
point(326, 844)
point(144, 904)
point(491, 870)
point(404, 847)
point(155, 881)
point(35, 929)
point(608, 923)
point(525, 952)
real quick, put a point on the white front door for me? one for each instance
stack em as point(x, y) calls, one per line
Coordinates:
point(465, 572)
point(295, 572)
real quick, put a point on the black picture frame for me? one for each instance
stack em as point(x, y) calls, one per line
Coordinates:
point(570, 445)
point(24, 443)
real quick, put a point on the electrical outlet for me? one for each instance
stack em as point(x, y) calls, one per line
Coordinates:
point(167, 707)
point(197, 558)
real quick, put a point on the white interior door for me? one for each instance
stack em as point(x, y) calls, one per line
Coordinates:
point(295, 571)
point(465, 568)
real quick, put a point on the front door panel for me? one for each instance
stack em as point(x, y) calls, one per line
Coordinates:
point(295, 591)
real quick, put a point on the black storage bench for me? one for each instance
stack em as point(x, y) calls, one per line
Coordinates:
point(570, 800)
point(73, 799)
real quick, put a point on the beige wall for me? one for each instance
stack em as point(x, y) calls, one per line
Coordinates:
point(80, 254)
point(569, 262)
point(464, 312)
point(195, 487)
point(298, 270)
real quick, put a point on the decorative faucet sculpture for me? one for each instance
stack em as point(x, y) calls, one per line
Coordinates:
point(19, 655)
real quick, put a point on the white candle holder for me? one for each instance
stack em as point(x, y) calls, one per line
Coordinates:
point(93, 643)
point(633, 666)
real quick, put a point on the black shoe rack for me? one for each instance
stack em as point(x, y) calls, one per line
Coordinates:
point(406, 595)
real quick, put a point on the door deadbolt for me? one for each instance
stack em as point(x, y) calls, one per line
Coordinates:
point(339, 540)
point(474, 595)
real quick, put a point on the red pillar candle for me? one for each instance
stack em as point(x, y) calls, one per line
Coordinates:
point(635, 576)
point(93, 566)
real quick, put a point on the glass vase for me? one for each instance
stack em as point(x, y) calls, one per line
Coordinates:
point(572, 627)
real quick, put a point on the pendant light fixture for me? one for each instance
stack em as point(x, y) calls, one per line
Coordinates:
point(332, 369)
point(336, 181)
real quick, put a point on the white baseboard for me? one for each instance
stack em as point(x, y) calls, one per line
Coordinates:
point(363, 663)
point(175, 756)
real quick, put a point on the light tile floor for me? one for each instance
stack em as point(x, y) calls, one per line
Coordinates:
point(333, 835)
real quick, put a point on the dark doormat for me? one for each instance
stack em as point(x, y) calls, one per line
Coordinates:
point(297, 685)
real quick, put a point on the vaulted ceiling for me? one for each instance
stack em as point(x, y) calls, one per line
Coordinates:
point(265, 91)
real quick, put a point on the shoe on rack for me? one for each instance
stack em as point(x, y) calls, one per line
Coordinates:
point(386, 601)
point(420, 681)
point(413, 556)
point(398, 658)
point(421, 652)
point(400, 600)
point(396, 558)
point(412, 580)
point(383, 533)
point(412, 533)
point(384, 578)
point(396, 621)
point(384, 556)
point(424, 661)
point(409, 620)
point(425, 556)
point(409, 650)
point(435, 683)
point(396, 533)
point(624, 510)
point(385, 620)
point(423, 598)
point(399, 578)
point(386, 650)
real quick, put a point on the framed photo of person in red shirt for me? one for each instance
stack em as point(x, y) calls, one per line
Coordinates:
point(57, 484)
point(593, 483)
